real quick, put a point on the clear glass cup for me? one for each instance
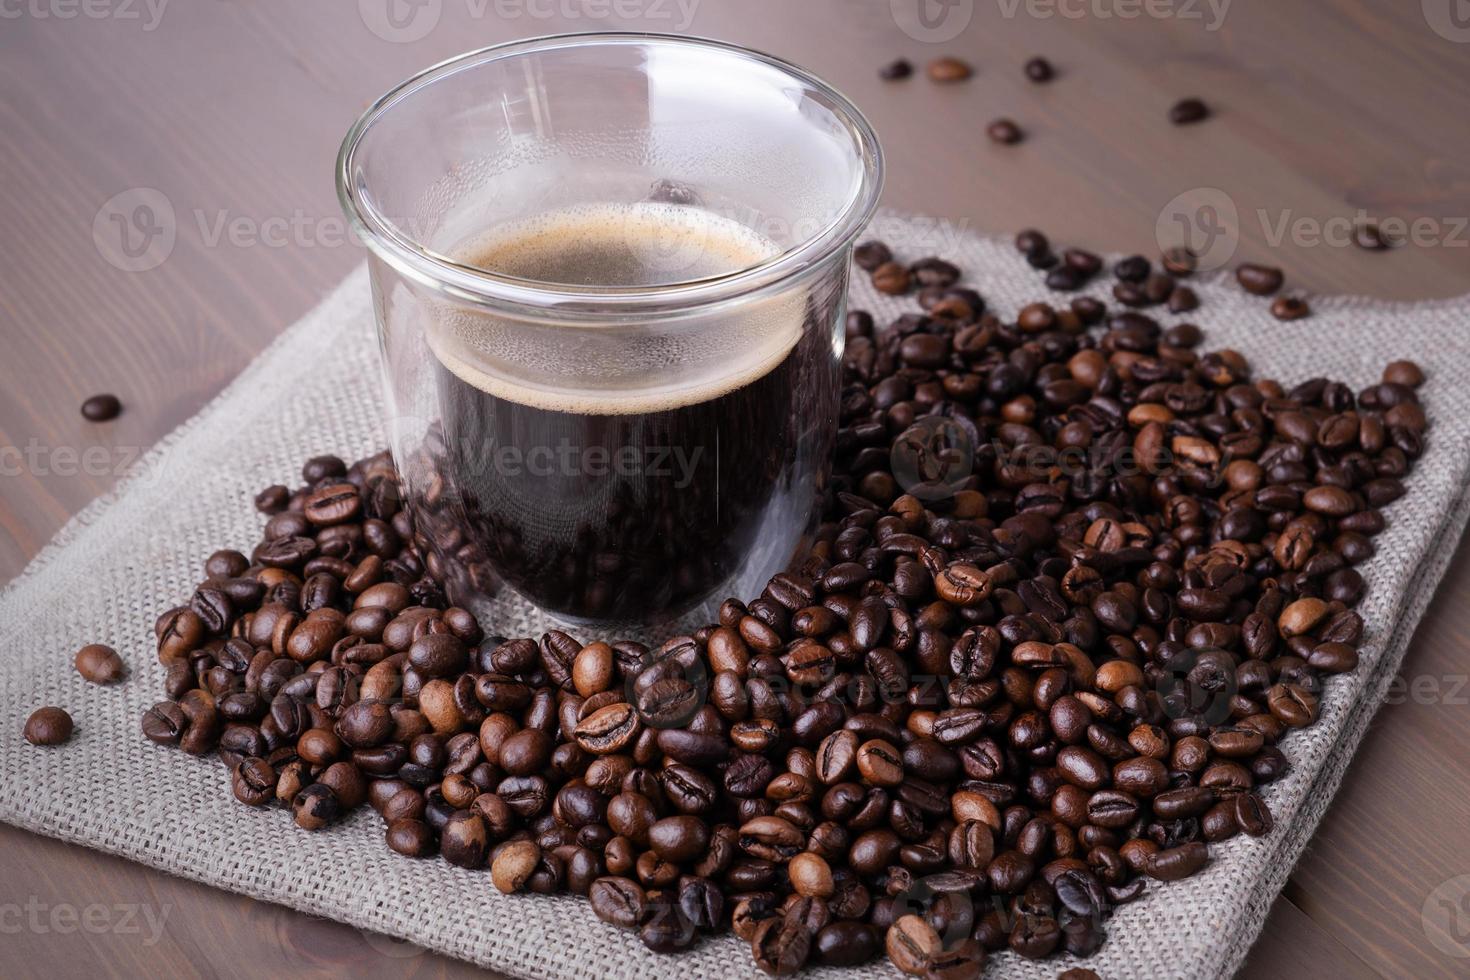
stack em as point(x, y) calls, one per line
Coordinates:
point(610, 273)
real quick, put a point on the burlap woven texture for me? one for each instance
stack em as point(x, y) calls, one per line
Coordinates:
point(140, 550)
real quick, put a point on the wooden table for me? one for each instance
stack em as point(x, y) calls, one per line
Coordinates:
point(232, 112)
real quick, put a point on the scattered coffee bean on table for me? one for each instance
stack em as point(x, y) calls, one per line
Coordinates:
point(1370, 237)
point(48, 726)
point(1187, 111)
point(1038, 69)
point(895, 70)
point(946, 70)
point(1004, 131)
point(101, 408)
point(1078, 579)
point(100, 664)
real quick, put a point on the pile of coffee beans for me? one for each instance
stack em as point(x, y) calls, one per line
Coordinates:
point(1078, 579)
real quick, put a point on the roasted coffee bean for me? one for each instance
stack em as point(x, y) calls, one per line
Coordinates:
point(947, 69)
point(619, 901)
point(665, 930)
point(101, 408)
point(1187, 111)
point(911, 944)
point(892, 278)
point(895, 70)
point(1259, 280)
point(1252, 815)
point(255, 782)
point(513, 864)
point(1004, 131)
point(411, 838)
point(165, 723)
point(99, 664)
point(315, 807)
point(1290, 308)
point(48, 726)
point(847, 943)
point(465, 840)
point(780, 947)
point(1177, 862)
point(879, 763)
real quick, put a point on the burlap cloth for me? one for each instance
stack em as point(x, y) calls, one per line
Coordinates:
point(128, 556)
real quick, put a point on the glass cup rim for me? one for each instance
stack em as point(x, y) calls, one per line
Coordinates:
point(395, 246)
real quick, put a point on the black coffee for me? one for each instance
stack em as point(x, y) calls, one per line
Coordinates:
point(633, 503)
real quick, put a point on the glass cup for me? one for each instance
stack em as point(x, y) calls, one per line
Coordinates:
point(610, 274)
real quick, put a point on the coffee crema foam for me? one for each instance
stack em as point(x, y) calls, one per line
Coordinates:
point(644, 244)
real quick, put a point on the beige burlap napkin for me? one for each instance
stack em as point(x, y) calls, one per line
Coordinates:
point(140, 550)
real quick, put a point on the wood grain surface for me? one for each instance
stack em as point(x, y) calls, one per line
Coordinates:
point(227, 116)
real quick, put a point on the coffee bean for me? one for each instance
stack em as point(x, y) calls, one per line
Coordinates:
point(665, 930)
point(618, 901)
point(895, 70)
point(1290, 308)
point(48, 726)
point(1252, 815)
point(465, 840)
point(101, 408)
point(513, 865)
point(165, 723)
point(1032, 242)
point(847, 943)
point(1177, 862)
point(1259, 280)
point(99, 664)
point(780, 947)
point(1038, 69)
point(947, 70)
point(608, 730)
point(315, 807)
point(1004, 131)
point(678, 840)
point(1187, 111)
point(1406, 374)
point(811, 876)
point(1370, 237)
point(255, 782)
point(911, 944)
point(411, 838)
point(892, 278)
point(879, 763)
